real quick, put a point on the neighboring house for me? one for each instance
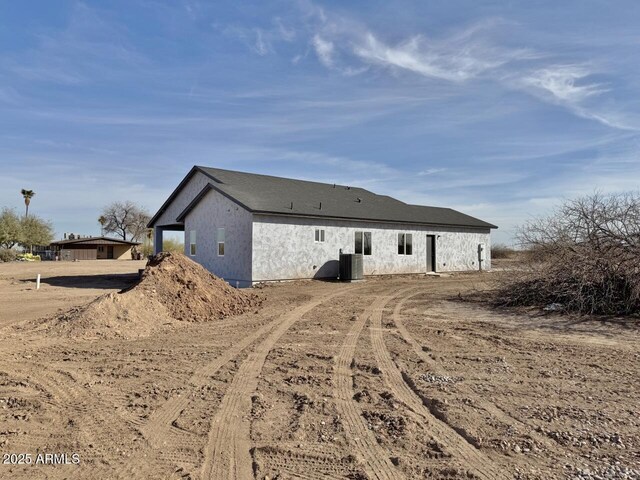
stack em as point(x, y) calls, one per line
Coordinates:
point(93, 248)
point(249, 228)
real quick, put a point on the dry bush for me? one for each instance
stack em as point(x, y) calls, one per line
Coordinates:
point(585, 258)
point(500, 250)
point(172, 246)
point(8, 255)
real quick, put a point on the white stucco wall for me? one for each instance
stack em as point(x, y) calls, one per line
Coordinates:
point(184, 197)
point(217, 211)
point(284, 248)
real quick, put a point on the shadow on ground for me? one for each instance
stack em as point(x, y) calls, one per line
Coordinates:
point(106, 281)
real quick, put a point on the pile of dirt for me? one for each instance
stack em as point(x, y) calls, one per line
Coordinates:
point(172, 289)
point(189, 292)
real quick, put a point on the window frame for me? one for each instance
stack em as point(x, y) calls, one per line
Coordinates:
point(405, 244)
point(364, 243)
point(363, 235)
point(319, 236)
point(193, 249)
point(221, 243)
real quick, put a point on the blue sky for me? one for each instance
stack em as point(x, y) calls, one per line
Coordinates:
point(497, 108)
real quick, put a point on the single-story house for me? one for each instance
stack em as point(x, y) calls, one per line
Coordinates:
point(93, 248)
point(249, 228)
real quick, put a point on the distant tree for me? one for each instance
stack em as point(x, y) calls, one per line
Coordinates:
point(25, 231)
point(138, 228)
point(102, 220)
point(126, 220)
point(27, 195)
point(10, 228)
point(147, 246)
point(35, 231)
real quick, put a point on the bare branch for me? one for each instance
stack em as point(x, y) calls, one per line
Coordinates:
point(585, 256)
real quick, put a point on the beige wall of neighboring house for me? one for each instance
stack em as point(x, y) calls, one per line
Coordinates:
point(120, 252)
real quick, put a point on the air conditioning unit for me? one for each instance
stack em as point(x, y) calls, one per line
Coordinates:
point(351, 267)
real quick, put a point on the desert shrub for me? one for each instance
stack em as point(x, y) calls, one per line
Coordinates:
point(172, 246)
point(500, 250)
point(8, 255)
point(584, 257)
point(146, 249)
point(168, 245)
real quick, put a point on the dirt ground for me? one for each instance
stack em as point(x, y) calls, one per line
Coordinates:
point(391, 378)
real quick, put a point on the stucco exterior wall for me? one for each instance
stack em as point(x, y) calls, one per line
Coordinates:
point(284, 248)
point(188, 193)
point(217, 211)
point(121, 252)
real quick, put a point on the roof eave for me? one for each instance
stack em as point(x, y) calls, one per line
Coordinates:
point(396, 222)
point(90, 239)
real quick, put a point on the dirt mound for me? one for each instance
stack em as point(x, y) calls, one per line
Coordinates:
point(124, 315)
point(189, 292)
point(172, 289)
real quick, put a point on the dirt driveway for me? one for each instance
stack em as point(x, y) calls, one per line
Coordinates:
point(390, 378)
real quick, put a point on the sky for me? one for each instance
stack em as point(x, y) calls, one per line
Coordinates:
point(500, 109)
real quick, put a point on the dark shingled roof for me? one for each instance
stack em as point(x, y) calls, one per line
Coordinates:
point(95, 241)
point(285, 196)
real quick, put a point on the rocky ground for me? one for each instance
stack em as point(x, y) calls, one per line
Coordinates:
point(389, 378)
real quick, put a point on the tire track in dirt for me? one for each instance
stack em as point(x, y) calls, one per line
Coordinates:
point(159, 430)
point(462, 451)
point(314, 466)
point(97, 425)
point(227, 454)
point(171, 446)
point(489, 407)
point(377, 464)
point(160, 421)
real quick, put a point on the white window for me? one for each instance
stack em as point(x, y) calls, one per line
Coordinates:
point(192, 242)
point(319, 235)
point(221, 242)
point(363, 243)
point(405, 244)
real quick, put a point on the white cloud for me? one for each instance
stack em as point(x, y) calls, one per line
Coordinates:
point(563, 82)
point(455, 61)
point(287, 34)
point(324, 50)
point(262, 46)
point(430, 171)
point(568, 86)
point(469, 53)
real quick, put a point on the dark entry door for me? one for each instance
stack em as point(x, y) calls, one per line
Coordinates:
point(431, 253)
point(110, 252)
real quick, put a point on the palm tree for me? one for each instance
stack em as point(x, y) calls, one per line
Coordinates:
point(102, 220)
point(28, 195)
